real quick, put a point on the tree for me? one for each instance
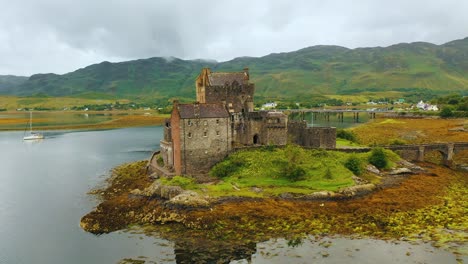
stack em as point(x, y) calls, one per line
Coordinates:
point(378, 158)
point(446, 112)
point(354, 164)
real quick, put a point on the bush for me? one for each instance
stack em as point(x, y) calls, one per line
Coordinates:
point(354, 164)
point(227, 167)
point(446, 112)
point(328, 174)
point(378, 158)
point(346, 134)
point(160, 161)
point(294, 172)
point(398, 142)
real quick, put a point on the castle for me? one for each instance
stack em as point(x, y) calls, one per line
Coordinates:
point(199, 135)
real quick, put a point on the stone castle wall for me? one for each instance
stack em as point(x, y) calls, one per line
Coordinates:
point(238, 97)
point(313, 137)
point(204, 142)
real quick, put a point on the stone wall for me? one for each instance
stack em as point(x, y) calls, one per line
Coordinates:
point(238, 97)
point(204, 142)
point(313, 137)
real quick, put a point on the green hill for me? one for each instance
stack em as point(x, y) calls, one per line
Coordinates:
point(310, 71)
point(8, 82)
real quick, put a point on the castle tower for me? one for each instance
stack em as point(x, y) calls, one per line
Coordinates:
point(233, 88)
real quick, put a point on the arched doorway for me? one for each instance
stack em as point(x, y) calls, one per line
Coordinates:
point(256, 139)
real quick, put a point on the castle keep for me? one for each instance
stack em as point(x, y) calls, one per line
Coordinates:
point(199, 135)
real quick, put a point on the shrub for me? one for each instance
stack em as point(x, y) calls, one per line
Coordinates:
point(398, 142)
point(328, 174)
point(227, 167)
point(346, 134)
point(160, 161)
point(378, 158)
point(446, 112)
point(294, 172)
point(354, 164)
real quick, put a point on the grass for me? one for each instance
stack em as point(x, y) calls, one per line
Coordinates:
point(264, 172)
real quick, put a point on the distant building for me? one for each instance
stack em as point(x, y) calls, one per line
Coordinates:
point(199, 135)
point(426, 107)
point(269, 105)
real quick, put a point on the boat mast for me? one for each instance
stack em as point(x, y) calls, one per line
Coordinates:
point(30, 121)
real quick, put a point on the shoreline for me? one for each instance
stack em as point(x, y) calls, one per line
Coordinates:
point(117, 119)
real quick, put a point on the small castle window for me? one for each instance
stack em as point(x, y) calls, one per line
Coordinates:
point(205, 123)
point(217, 121)
point(205, 134)
point(217, 133)
point(189, 122)
point(190, 135)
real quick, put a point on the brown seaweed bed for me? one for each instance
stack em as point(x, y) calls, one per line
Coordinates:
point(430, 206)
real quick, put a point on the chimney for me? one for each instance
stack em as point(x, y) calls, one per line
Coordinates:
point(196, 110)
point(246, 74)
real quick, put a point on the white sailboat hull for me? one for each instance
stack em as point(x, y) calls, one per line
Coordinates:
point(34, 137)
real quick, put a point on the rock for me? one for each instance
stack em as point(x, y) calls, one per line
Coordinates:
point(256, 189)
point(169, 192)
point(286, 195)
point(357, 190)
point(399, 171)
point(154, 190)
point(189, 198)
point(411, 166)
point(323, 195)
point(359, 181)
point(373, 169)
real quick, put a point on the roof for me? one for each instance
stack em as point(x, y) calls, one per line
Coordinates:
point(221, 78)
point(202, 111)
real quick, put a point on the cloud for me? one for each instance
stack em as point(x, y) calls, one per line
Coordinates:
point(62, 35)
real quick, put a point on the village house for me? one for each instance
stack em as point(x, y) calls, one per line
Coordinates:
point(199, 135)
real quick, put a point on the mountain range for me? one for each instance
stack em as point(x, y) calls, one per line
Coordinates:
point(306, 72)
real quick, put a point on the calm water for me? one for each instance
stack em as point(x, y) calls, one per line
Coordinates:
point(43, 188)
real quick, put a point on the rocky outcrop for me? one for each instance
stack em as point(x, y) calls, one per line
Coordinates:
point(398, 171)
point(359, 181)
point(357, 190)
point(373, 169)
point(190, 199)
point(157, 189)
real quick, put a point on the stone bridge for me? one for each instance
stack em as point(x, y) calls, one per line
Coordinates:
point(448, 150)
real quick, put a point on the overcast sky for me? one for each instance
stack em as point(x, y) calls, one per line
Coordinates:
point(59, 36)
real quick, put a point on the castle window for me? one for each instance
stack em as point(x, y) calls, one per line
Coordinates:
point(205, 134)
point(189, 122)
point(217, 133)
point(205, 123)
point(278, 120)
point(217, 121)
point(189, 135)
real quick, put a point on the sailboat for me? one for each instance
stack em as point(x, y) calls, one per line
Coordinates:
point(32, 135)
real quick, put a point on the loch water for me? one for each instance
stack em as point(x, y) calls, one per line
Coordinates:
point(43, 195)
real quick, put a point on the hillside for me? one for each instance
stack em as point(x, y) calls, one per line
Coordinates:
point(8, 82)
point(314, 70)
